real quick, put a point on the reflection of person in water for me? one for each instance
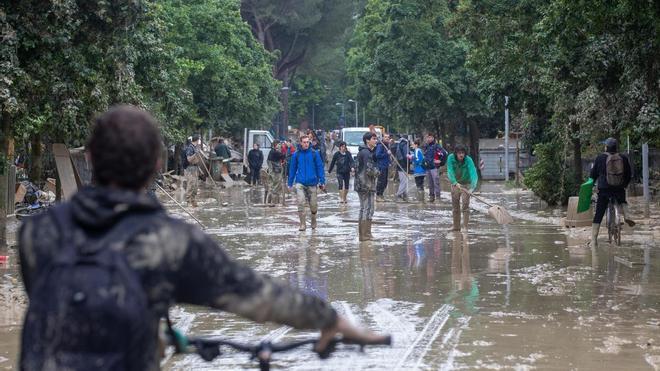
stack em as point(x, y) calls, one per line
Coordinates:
point(307, 276)
point(464, 286)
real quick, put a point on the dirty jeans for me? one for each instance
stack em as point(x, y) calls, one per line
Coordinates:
point(192, 182)
point(434, 182)
point(275, 188)
point(343, 179)
point(460, 201)
point(306, 194)
point(403, 183)
point(366, 205)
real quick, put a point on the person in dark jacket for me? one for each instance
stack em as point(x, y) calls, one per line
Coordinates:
point(191, 169)
point(401, 154)
point(275, 169)
point(383, 162)
point(365, 184)
point(256, 161)
point(221, 149)
point(308, 174)
point(434, 157)
point(345, 165)
point(164, 260)
point(600, 175)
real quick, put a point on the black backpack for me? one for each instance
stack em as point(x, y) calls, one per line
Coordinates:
point(88, 310)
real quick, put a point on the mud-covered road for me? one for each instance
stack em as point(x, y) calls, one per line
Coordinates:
point(529, 295)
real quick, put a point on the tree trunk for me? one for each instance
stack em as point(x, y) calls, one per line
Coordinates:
point(36, 160)
point(577, 154)
point(4, 161)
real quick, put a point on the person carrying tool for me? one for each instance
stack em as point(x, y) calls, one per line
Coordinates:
point(365, 184)
point(308, 175)
point(462, 175)
point(191, 169)
point(383, 161)
point(402, 149)
point(101, 270)
point(345, 164)
point(612, 173)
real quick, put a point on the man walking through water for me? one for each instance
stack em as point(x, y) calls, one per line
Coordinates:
point(275, 168)
point(308, 175)
point(611, 172)
point(191, 169)
point(84, 316)
point(434, 157)
point(345, 164)
point(463, 178)
point(365, 185)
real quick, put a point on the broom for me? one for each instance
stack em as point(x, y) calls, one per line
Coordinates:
point(499, 213)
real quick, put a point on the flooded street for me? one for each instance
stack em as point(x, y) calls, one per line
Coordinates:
point(529, 295)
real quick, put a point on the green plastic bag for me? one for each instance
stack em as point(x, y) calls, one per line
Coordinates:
point(586, 190)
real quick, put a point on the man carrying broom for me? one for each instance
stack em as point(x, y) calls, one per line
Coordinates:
point(463, 178)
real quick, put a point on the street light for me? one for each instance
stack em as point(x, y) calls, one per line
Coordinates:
point(285, 113)
point(343, 115)
point(356, 110)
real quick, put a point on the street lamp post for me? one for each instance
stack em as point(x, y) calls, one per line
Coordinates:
point(356, 111)
point(343, 113)
point(285, 114)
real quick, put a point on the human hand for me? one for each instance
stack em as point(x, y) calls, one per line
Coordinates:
point(348, 331)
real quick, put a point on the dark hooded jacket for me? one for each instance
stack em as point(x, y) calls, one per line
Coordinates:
point(599, 172)
point(175, 262)
point(367, 173)
point(255, 158)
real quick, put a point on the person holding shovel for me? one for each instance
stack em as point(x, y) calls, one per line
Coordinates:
point(463, 178)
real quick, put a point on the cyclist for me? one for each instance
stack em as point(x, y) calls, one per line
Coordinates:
point(611, 172)
point(101, 270)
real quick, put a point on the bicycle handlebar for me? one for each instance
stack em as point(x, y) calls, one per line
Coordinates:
point(209, 349)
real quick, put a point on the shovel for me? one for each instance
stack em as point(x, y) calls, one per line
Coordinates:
point(499, 213)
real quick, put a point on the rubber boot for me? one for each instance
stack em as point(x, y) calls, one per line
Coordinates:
point(367, 230)
point(302, 227)
point(431, 198)
point(626, 211)
point(313, 221)
point(420, 196)
point(595, 227)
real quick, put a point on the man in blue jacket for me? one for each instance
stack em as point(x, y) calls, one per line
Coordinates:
point(308, 174)
point(383, 154)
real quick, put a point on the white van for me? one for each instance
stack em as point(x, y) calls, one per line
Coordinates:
point(353, 138)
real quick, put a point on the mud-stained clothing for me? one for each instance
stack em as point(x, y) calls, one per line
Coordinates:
point(309, 195)
point(343, 179)
point(606, 191)
point(345, 164)
point(275, 169)
point(191, 174)
point(365, 182)
point(175, 262)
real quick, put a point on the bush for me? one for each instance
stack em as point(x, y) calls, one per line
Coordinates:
point(548, 178)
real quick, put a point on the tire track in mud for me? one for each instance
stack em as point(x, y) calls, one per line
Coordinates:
point(418, 349)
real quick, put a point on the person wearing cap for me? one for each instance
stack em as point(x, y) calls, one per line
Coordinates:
point(191, 169)
point(463, 178)
point(611, 173)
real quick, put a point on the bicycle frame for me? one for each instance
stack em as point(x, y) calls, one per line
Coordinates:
point(614, 221)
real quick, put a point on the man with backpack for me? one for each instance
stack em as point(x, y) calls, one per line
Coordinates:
point(366, 177)
point(612, 173)
point(308, 174)
point(434, 157)
point(102, 270)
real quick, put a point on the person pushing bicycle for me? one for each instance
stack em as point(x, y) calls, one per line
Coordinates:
point(101, 270)
point(612, 173)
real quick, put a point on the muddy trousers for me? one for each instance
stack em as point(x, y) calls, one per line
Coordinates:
point(191, 174)
point(381, 185)
point(343, 179)
point(366, 205)
point(403, 184)
point(306, 194)
point(460, 204)
point(275, 188)
point(434, 182)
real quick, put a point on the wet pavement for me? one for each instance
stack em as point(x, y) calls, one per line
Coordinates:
point(529, 295)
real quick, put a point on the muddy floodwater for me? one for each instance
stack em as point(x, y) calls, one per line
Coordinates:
point(531, 295)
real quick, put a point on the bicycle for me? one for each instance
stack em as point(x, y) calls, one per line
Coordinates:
point(209, 349)
point(614, 221)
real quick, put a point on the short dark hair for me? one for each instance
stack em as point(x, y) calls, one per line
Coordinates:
point(341, 143)
point(417, 142)
point(195, 137)
point(460, 148)
point(367, 136)
point(125, 146)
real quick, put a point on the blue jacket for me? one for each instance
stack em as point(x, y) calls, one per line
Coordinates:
point(306, 168)
point(430, 153)
point(417, 161)
point(382, 157)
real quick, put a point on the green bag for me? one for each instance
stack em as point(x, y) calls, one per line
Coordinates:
point(586, 190)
